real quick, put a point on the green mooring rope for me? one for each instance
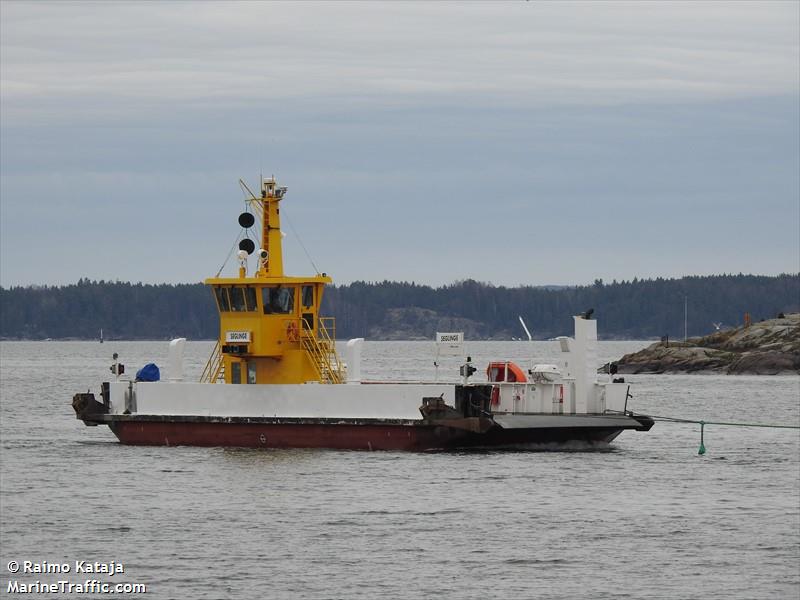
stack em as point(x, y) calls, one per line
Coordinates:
point(702, 449)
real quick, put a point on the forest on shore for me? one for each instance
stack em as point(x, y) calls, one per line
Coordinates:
point(389, 310)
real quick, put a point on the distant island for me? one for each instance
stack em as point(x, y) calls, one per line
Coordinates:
point(769, 347)
point(391, 310)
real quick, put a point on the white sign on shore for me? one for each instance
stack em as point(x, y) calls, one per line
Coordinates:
point(449, 343)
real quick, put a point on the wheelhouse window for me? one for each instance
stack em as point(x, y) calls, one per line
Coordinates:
point(278, 300)
point(237, 299)
point(222, 299)
point(250, 298)
point(308, 296)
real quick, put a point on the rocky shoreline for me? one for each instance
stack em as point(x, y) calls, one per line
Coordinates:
point(769, 347)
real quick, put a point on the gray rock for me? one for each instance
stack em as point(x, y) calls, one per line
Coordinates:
point(766, 348)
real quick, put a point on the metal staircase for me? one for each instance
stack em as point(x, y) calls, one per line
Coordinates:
point(214, 371)
point(321, 350)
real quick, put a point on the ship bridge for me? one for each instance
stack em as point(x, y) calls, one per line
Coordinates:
point(271, 330)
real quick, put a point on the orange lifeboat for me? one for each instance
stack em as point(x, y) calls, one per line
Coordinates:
point(505, 371)
point(496, 371)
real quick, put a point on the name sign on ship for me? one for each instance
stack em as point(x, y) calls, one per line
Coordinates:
point(237, 336)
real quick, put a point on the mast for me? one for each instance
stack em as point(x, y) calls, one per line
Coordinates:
point(685, 317)
point(272, 257)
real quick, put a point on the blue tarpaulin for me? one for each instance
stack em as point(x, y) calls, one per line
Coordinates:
point(149, 372)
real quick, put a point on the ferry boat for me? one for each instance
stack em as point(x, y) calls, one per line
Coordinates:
point(275, 379)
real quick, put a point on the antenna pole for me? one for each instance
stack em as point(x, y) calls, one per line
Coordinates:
point(685, 317)
point(530, 339)
point(528, 333)
point(244, 185)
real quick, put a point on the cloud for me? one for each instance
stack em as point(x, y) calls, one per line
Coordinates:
point(466, 138)
point(123, 56)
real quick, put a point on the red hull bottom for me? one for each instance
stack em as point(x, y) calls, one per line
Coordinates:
point(343, 436)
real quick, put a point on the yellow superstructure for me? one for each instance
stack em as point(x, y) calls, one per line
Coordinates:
point(270, 329)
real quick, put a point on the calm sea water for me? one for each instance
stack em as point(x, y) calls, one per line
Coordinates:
point(646, 518)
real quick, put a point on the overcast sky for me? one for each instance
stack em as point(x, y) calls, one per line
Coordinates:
point(511, 142)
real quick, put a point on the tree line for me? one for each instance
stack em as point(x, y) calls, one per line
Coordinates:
point(637, 309)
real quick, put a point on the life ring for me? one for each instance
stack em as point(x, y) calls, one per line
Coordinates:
point(292, 331)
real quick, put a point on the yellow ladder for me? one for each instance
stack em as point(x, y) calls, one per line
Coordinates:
point(215, 368)
point(321, 349)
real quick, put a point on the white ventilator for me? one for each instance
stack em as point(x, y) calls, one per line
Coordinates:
point(353, 360)
point(176, 348)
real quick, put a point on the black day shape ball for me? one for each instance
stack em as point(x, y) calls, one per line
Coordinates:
point(247, 245)
point(246, 219)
